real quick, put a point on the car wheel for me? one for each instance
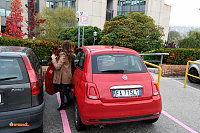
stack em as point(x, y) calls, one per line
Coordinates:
point(192, 79)
point(77, 119)
point(151, 120)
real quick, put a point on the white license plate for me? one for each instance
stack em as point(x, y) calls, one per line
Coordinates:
point(127, 93)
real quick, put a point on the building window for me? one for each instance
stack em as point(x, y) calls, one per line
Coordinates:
point(3, 29)
point(109, 14)
point(2, 12)
point(51, 5)
point(131, 6)
point(73, 3)
point(60, 4)
point(8, 12)
point(48, 4)
point(63, 3)
point(68, 4)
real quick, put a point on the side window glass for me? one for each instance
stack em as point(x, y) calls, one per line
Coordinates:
point(80, 59)
point(78, 56)
point(34, 61)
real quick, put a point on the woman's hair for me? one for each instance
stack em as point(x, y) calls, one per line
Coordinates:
point(66, 47)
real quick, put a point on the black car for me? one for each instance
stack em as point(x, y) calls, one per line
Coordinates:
point(21, 90)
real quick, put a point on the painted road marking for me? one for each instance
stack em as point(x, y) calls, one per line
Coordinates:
point(186, 85)
point(178, 122)
point(67, 129)
point(63, 114)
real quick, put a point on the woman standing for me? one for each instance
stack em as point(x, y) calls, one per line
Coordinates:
point(62, 73)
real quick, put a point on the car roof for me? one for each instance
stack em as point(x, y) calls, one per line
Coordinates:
point(104, 49)
point(13, 51)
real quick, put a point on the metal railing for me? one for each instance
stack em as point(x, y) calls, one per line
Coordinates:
point(187, 74)
point(159, 73)
point(153, 54)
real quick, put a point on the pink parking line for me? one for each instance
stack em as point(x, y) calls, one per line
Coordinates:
point(63, 114)
point(180, 123)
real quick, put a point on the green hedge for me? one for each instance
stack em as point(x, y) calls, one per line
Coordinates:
point(71, 33)
point(42, 48)
point(178, 56)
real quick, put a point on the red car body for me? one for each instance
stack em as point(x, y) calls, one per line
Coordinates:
point(93, 92)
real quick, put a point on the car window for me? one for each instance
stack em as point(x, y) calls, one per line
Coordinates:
point(34, 61)
point(80, 59)
point(117, 63)
point(12, 70)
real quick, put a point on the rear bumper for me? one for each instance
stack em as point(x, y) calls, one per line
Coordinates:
point(95, 112)
point(32, 116)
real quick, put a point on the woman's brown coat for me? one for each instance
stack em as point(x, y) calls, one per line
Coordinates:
point(62, 71)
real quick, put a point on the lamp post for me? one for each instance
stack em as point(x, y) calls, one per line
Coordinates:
point(95, 37)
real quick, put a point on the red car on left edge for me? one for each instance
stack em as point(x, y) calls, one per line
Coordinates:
point(112, 85)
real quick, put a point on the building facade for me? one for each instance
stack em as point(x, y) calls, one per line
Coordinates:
point(101, 10)
point(104, 10)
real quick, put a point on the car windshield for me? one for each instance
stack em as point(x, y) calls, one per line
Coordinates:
point(10, 70)
point(117, 63)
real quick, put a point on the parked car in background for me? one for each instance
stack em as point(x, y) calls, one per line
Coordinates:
point(21, 90)
point(113, 85)
point(194, 69)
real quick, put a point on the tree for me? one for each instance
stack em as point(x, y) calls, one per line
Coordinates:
point(14, 20)
point(71, 33)
point(174, 36)
point(134, 30)
point(33, 21)
point(193, 41)
point(56, 20)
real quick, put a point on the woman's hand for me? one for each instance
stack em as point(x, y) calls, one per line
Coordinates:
point(53, 57)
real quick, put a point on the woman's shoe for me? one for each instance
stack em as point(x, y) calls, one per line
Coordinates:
point(61, 107)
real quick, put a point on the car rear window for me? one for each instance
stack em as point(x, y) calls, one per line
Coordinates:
point(117, 63)
point(12, 71)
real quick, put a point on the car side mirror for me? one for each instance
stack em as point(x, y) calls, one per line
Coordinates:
point(76, 62)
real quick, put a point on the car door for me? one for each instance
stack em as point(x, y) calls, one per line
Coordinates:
point(35, 62)
point(79, 66)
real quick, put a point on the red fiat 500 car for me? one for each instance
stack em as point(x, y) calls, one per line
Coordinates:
point(113, 85)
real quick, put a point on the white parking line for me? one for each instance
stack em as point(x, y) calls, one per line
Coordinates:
point(179, 122)
point(186, 85)
point(63, 114)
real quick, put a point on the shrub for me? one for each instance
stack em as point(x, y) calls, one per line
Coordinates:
point(42, 48)
point(71, 33)
point(134, 30)
point(193, 41)
point(179, 56)
point(55, 21)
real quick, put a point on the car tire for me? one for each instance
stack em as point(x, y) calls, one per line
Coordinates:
point(192, 79)
point(151, 120)
point(77, 119)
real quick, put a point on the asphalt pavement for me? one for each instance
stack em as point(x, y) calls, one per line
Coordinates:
point(180, 113)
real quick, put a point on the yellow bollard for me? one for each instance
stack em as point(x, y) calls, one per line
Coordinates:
point(186, 73)
point(159, 73)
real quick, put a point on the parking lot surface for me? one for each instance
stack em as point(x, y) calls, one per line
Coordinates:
point(180, 113)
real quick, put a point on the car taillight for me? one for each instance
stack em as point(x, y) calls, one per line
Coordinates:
point(92, 92)
point(155, 89)
point(35, 88)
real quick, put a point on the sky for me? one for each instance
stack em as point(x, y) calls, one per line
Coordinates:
point(184, 12)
